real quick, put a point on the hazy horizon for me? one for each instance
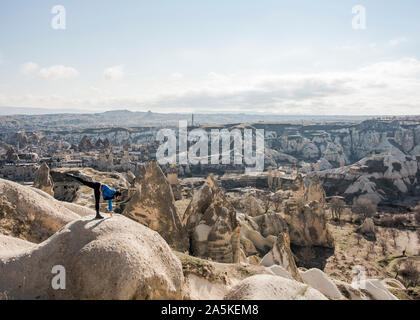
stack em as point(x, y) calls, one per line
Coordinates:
point(9, 111)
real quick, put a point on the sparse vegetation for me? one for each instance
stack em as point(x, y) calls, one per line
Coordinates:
point(337, 206)
point(410, 273)
point(277, 200)
point(383, 243)
point(266, 202)
point(364, 208)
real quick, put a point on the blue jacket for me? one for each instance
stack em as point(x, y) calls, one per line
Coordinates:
point(108, 194)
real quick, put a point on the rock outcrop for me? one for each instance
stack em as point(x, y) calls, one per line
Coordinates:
point(212, 226)
point(251, 206)
point(307, 224)
point(270, 287)
point(376, 289)
point(281, 255)
point(386, 178)
point(26, 214)
point(85, 144)
point(109, 259)
point(258, 234)
point(153, 205)
point(315, 191)
point(10, 246)
point(43, 179)
point(320, 281)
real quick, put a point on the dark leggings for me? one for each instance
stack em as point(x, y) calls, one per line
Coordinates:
point(96, 186)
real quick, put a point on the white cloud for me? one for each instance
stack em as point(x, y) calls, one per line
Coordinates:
point(58, 72)
point(176, 76)
point(397, 41)
point(386, 87)
point(28, 68)
point(114, 73)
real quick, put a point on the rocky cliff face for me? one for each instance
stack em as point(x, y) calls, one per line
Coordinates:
point(386, 179)
point(344, 143)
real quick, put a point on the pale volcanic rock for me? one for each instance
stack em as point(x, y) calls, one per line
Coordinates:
point(212, 226)
point(108, 259)
point(43, 179)
point(29, 215)
point(271, 287)
point(10, 246)
point(320, 281)
point(376, 289)
point(281, 255)
point(315, 191)
point(153, 205)
point(307, 224)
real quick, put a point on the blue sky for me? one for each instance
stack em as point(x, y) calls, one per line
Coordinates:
point(272, 56)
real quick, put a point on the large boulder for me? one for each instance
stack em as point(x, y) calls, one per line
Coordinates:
point(43, 179)
point(320, 281)
point(281, 255)
point(271, 287)
point(376, 289)
point(103, 259)
point(26, 214)
point(153, 205)
point(213, 229)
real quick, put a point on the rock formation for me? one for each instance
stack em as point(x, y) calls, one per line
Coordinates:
point(10, 246)
point(376, 289)
point(211, 224)
point(110, 259)
point(85, 144)
point(251, 206)
point(141, 172)
point(258, 234)
point(43, 179)
point(153, 205)
point(28, 215)
point(307, 223)
point(386, 178)
point(12, 155)
point(269, 287)
point(315, 191)
point(281, 255)
point(320, 281)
